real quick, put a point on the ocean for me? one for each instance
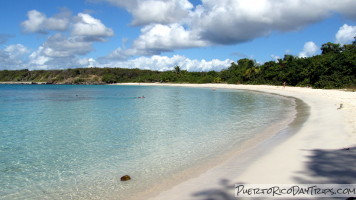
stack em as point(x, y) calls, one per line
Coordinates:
point(76, 141)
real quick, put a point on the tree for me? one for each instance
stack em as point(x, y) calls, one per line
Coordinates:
point(330, 48)
point(177, 69)
point(245, 63)
point(109, 78)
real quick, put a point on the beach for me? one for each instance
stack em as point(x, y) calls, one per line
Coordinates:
point(320, 151)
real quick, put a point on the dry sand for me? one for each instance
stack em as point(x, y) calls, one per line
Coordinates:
point(313, 154)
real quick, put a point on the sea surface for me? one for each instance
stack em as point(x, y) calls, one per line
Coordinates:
point(75, 142)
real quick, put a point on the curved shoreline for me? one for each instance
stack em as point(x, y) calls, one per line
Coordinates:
point(246, 151)
point(296, 159)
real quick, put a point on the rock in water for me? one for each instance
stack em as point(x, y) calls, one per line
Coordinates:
point(125, 178)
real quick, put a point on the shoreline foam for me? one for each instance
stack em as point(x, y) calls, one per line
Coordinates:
point(295, 160)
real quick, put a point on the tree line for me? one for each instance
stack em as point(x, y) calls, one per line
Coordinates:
point(334, 68)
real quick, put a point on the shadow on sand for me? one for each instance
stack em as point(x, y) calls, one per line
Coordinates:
point(324, 167)
point(225, 192)
point(337, 166)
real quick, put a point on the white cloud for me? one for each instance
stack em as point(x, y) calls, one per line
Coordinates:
point(42, 62)
point(163, 63)
point(236, 21)
point(38, 22)
point(157, 38)
point(214, 23)
point(61, 46)
point(160, 11)
point(84, 25)
point(310, 49)
point(13, 56)
point(91, 28)
point(35, 21)
point(345, 7)
point(160, 63)
point(88, 62)
point(16, 50)
point(63, 50)
point(60, 52)
point(39, 60)
point(147, 12)
point(176, 24)
point(168, 25)
point(167, 38)
point(345, 34)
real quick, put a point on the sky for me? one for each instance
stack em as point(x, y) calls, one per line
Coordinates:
point(197, 35)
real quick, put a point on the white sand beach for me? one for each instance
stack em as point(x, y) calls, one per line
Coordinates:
point(315, 153)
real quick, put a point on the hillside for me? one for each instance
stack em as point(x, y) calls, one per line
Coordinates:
point(334, 68)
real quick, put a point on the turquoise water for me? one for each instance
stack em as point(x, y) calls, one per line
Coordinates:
point(75, 142)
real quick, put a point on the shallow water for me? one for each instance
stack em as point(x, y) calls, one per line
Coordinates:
point(74, 142)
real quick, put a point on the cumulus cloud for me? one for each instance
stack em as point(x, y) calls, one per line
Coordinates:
point(46, 58)
point(16, 50)
point(147, 12)
point(168, 25)
point(38, 22)
point(177, 24)
point(35, 22)
point(163, 63)
point(84, 25)
point(236, 21)
point(159, 11)
point(39, 61)
point(60, 51)
point(345, 34)
point(61, 46)
point(63, 50)
point(345, 7)
point(157, 38)
point(222, 22)
point(91, 28)
point(159, 63)
point(310, 49)
point(13, 56)
point(167, 37)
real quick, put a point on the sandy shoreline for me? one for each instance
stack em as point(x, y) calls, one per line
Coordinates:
point(314, 154)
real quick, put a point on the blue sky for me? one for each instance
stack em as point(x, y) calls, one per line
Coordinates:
point(160, 34)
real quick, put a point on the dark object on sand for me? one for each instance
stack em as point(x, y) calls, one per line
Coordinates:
point(340, 107)
point(125, 178)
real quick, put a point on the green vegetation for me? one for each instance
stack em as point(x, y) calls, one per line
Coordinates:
point(334, 68)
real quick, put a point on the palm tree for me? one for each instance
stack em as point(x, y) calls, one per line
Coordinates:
point(177, 69)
